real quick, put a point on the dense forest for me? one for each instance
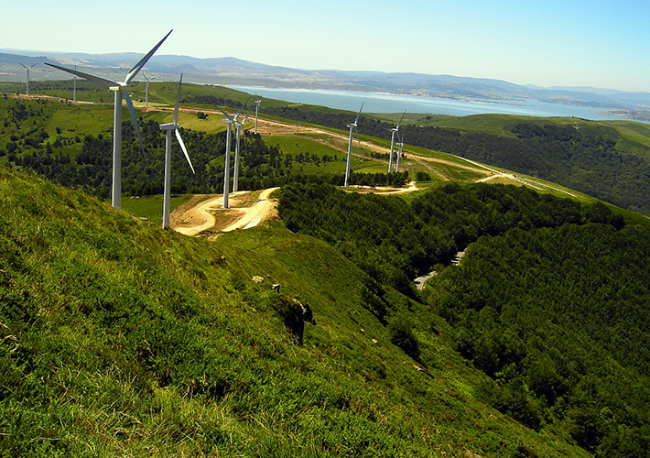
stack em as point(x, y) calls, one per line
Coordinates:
point(585, 159)
point(397, 241)
point(550, 299)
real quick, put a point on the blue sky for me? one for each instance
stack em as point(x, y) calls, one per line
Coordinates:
point(597, 43)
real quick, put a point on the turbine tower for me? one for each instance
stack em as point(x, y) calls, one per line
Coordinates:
point(119, 88)
point(352, 127)
point(257, 108)
point(238, 126)
point(27, 81)
point(400, 138)
point(74, 86)
point(229, 120)
point(392, 142)
point(146, 89)
point(168, 128)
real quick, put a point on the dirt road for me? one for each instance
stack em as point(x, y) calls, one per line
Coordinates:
point(210, 215)
point(262, 210)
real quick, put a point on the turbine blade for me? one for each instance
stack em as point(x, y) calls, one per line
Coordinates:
point(399, 139)
point(135, 121)
point(137, 67)
point(226, 114)
point(24, 66)
point(247, 115)
point(242, 107)
point(88, 76)
point(178, 100)
point(180, 142)
point(400, 121)
point(355, 121)
point(34, 65)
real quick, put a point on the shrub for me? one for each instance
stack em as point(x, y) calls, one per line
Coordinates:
point(401, 331)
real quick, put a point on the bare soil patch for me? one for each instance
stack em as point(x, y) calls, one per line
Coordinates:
point(183, 215)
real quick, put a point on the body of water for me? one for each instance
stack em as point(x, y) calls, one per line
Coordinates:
point(375, 102)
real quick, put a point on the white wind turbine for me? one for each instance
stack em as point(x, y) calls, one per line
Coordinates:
point(238, 125)
point(257, 108)
point(168, 128)
point(353, 127)
point(27, 81)
point(229, 120)
point(120, 91)
point(392, 142)
point(146, 89)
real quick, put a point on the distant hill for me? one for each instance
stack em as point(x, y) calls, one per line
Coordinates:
point(230, 70)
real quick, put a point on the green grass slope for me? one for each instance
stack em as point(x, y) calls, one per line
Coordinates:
point(121, 339)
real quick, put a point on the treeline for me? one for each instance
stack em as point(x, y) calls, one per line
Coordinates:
point(585, 159)
point(29, 147)
point(209, 100)
point(261, 167)
point(550, 300)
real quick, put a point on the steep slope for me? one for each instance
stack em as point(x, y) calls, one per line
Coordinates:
point(549, 300)
point(118, 338)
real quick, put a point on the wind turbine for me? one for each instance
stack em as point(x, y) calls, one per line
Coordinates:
point(257, 108)
point(120, 91)
point(226, 173)
point(27, 82)
point(168, 154)
point(392, 142)
point(146, 89)
point(352, 127)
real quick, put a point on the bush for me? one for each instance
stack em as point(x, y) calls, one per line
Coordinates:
point(401, 331)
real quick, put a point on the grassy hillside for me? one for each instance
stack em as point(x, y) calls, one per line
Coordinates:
point(119, 338)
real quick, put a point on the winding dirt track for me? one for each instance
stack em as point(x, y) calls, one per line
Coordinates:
point(201, 217)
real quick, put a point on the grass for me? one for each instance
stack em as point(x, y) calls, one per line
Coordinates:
point(150, 207)
point(306, 145)
point(81, 120)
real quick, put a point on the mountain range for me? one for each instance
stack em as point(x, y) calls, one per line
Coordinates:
point(233, 71)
